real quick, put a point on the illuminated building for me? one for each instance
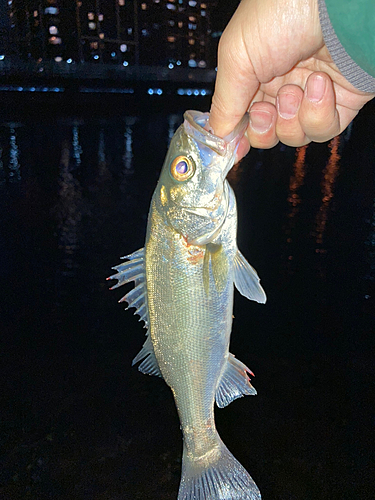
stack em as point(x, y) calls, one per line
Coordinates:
point(123, 32)
point(176, 32)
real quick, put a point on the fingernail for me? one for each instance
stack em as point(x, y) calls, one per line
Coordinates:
point(287, 105)
point(316, 86)
point(260, 121)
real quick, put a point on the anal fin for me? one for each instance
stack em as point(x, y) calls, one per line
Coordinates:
point(234, 382)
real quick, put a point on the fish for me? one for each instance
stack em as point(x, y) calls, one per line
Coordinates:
point(184, 287)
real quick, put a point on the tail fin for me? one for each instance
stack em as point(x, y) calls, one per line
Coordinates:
point(216, 476)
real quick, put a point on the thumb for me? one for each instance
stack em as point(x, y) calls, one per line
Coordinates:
point(236, 82)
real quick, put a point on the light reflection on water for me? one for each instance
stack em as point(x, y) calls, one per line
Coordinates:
point(330, 173)
point(75, 196)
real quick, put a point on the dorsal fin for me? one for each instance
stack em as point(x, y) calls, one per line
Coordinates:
point(134, 270)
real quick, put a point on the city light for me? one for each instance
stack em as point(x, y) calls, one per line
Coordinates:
point(194, 92)
point(104, 34)
point(156, 91)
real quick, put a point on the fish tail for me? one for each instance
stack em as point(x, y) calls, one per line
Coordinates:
point(217, 475)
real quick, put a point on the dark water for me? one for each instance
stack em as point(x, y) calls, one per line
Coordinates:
point(77, 421)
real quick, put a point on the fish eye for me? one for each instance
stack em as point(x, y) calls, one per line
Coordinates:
point(182, 168)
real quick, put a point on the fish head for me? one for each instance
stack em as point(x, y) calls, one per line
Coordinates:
point(193, 193)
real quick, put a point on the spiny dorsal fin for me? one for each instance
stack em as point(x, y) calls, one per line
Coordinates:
point(134, 270)
point(234, 382)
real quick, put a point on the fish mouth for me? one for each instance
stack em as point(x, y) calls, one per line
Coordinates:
point(196, 125)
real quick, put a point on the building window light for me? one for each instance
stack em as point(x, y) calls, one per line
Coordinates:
point(170, 65)
point(171, 23)
point(123, 47)
point(92, 26)
point(121, 3)
point(192, 3)
point(69, 61)
point(202, 64)
point(94, 45)
point(96, 57)
point(2, 57)
point(91, 16)
point(178, 63)
point(55, 40)
point(203, 6)
point(53, 30)
point(191, 41)
point(170, 6)
point(144, 6)
point(51, 10)
point(125, 63)
point(101, 36)
point(100, 17)
point(58, 58)
point(144, 32)
point(113, 54)
point(203, 13)
point(192, 63)
point(192, 19)
point(36, 13)
point(180, 24)
point(171, 39)
point(130, 31)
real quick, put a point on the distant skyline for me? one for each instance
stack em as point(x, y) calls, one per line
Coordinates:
point(121, 32)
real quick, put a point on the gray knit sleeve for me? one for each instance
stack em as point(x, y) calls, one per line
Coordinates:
point(349, 68)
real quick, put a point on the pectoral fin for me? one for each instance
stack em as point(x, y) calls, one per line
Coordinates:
point(247, 280)
point(234, 382)
point(219, 267)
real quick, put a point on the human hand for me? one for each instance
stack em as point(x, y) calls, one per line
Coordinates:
point(272, 59)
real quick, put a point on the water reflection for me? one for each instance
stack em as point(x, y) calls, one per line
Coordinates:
point(329, 178)
point(294, 200)
point(68, 210)
point(77, 150)
point(127, 157)
point(10, 168)
point(296, 181)
point(82, 200)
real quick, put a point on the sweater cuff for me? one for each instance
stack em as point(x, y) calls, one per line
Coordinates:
point(347, 66)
